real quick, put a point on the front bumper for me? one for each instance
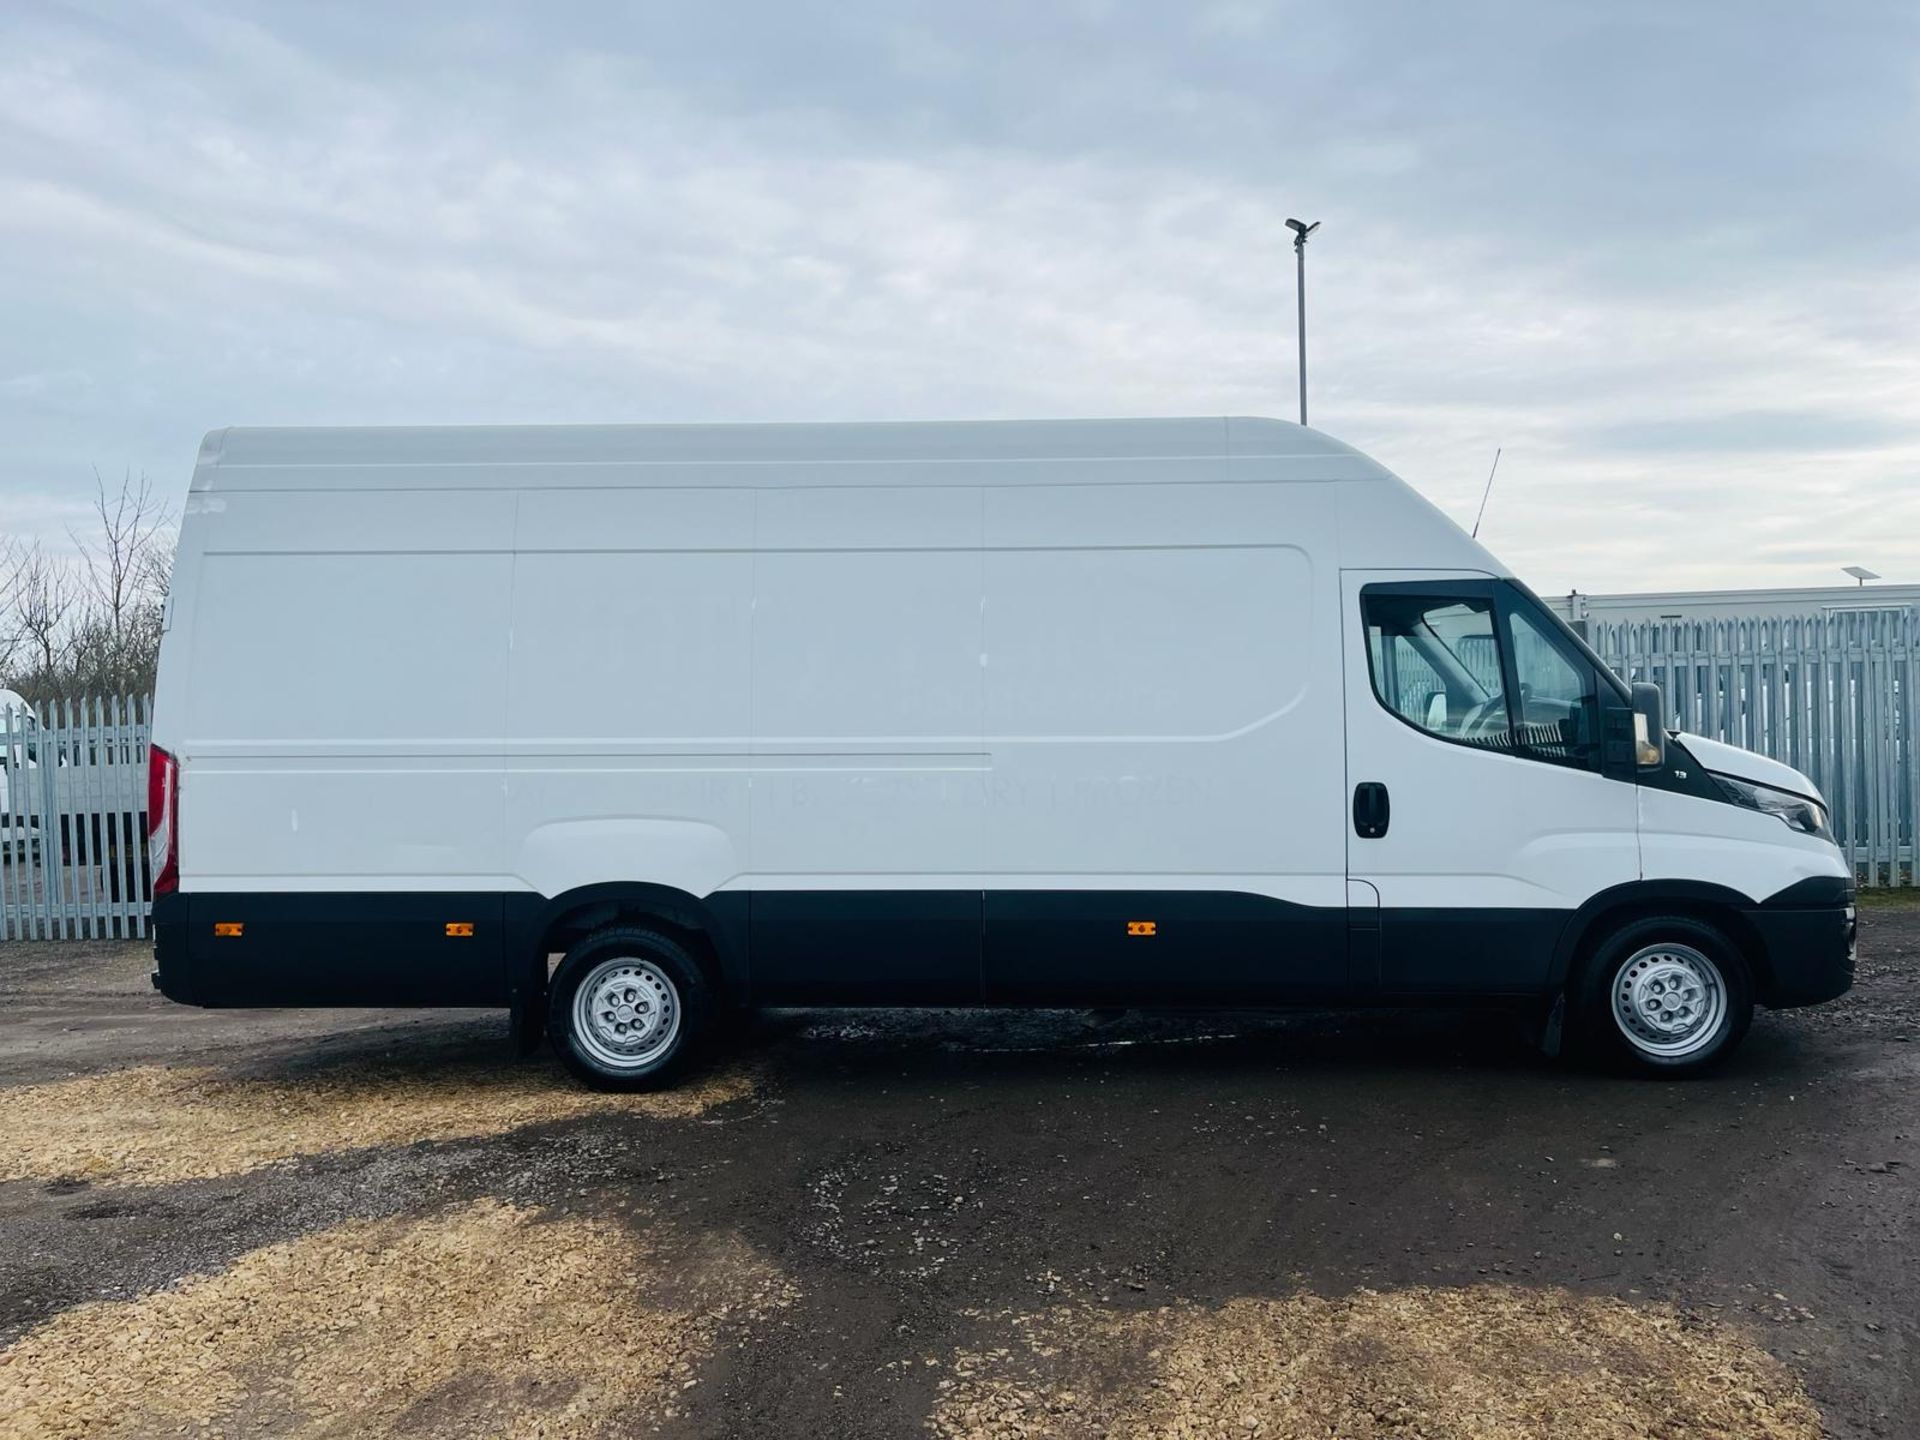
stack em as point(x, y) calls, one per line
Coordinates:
point(1810, 936)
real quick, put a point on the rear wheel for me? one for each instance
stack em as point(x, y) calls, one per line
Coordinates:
point(628, 1009)
point(1669, 995)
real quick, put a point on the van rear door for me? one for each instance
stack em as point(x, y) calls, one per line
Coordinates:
point(1478, 809)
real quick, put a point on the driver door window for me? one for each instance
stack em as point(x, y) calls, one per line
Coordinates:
point(1436, 664)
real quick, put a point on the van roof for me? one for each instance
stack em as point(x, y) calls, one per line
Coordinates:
point(243, 458)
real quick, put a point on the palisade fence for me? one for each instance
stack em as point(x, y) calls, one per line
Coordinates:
point(73, 822)
point(1835, 694)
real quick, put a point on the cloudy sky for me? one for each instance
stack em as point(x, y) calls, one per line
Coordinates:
point(1666, 255)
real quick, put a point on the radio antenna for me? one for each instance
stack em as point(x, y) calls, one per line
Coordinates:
point(1483, 497)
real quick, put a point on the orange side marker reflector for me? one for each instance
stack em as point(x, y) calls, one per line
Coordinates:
point(460, 928)
point(228, 929)
point(1143, 927)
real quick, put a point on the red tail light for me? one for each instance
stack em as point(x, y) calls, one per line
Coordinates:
point(163, 820)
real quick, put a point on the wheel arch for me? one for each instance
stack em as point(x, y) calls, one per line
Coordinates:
point(712, 928)
point(1716, 905)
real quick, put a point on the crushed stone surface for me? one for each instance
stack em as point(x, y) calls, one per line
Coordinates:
point(485, 1319)
point(1488, 1362)
point(161, 1125)
point(934, 1183)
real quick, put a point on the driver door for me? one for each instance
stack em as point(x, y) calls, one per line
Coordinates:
point(1478, 808)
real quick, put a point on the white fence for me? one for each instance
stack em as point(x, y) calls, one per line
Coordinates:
point(1836, 695)
point(73, 824)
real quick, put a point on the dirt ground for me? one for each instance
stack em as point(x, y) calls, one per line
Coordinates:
point(951, 1223)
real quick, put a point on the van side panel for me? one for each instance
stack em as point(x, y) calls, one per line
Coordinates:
point(1160, 706)
point(869, 802)
point(334, 687)
point(867, 684)
point(1029, 726)
point(627, 721)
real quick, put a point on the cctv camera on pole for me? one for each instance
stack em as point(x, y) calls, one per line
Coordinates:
point(1300, 233)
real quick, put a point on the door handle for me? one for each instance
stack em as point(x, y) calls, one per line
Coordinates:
point(1371, 810)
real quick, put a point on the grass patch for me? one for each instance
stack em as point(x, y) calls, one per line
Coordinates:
point(485, 1320)
point(157, 1125)
point(1889, 897)
point(1488, 1361)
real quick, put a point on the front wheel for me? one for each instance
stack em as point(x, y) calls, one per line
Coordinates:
point(628, 1009)
point(1667, 996)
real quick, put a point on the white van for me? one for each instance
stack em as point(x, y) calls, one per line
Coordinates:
point(19, 798)
point(1144, 712)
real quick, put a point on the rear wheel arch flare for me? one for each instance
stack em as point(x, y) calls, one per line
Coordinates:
point(570, 916)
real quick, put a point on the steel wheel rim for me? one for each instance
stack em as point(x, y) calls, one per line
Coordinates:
point(1669, 1000)
point(626, 1013)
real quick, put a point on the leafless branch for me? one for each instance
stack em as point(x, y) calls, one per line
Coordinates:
point(89, 623)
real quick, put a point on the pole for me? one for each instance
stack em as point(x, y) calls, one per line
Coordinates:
point(1300, 288)
point(1301, 230)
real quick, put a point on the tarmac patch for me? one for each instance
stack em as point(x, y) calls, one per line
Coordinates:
point(487, 1319)
point(157, 1125)
point(1436, 1364)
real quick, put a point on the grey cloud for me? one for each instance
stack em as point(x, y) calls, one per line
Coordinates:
point(1556, 228)
point(1750, 430)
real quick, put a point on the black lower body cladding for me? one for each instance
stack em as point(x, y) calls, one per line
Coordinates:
point(949, 947)
point(952, 947)
point(331, 948)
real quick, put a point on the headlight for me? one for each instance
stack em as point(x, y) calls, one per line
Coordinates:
point(1807, 816)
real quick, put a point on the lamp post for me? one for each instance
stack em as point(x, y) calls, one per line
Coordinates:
point(1300, 233)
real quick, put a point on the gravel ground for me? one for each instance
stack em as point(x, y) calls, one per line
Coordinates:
point(951, 1223)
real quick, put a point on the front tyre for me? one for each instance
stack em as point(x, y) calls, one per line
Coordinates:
point(628, 1009)
point(1668, 995)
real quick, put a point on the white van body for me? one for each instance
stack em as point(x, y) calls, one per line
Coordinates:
point(1050, 712)
point(19, 802)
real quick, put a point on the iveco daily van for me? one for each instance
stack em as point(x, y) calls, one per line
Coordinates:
point(1145, 712)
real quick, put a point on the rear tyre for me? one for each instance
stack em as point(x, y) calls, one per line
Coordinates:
point(629, 1009)
point(1668, 995)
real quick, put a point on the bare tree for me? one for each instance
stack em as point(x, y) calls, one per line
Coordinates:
point(12, 556)
point(118, 559)
point(90, 623)
point(43, 603)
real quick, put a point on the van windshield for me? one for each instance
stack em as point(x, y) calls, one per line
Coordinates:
point(1546, 618)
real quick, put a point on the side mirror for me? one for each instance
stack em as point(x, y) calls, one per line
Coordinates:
point(1649, 728)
